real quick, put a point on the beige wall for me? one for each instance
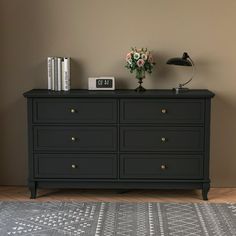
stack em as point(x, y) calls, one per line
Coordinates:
point(97, 34)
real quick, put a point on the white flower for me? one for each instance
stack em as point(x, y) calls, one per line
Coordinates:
point(129, 61)
point(144, 56)
point(136, 56)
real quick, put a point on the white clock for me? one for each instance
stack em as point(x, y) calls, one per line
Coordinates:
point(101, 83)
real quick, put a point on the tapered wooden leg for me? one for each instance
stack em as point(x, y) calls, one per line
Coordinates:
point(33, 189)
point(205, 190)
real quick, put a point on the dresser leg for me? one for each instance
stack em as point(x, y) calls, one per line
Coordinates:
point(205, 190)
point(33, 190)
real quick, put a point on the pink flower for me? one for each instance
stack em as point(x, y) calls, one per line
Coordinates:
point(150, 58)
point(128, 56)
point(140, 62)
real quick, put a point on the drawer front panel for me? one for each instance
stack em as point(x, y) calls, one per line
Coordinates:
point(75, 110)
point(162, 111)
point(161, 139)
point(75, 166)
point(153, 166)
point(75, 138)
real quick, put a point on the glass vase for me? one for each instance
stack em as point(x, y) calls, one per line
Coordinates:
point(140, 75)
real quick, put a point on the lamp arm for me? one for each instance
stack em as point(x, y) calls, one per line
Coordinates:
point(193, 73)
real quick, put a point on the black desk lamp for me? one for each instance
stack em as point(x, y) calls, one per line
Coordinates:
point(185, 60)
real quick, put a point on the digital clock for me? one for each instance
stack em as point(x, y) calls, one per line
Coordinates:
point(101, 83)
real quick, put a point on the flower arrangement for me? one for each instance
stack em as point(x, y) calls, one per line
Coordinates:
point(140, 61)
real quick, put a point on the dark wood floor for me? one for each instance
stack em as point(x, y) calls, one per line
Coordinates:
point(215, 195)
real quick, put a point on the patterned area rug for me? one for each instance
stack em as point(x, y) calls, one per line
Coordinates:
point(123, 219)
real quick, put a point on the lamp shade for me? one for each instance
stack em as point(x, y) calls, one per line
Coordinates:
point(180, 61)
point(185, 60)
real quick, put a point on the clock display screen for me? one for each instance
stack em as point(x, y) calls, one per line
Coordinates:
point(104, 83)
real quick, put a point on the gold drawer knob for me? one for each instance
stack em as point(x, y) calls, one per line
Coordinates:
point(163, 167)
point(73, 166)
point(72, 110)
point(163, 111)
point(73, 139)
point(163, 139)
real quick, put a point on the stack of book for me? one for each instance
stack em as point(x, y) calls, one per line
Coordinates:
point(59, 73)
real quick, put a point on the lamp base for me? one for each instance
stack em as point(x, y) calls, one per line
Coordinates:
point(180, 90)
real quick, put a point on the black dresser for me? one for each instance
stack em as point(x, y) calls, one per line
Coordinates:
point(119, 139)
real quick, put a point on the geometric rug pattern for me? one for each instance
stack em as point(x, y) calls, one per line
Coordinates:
point(58, 218)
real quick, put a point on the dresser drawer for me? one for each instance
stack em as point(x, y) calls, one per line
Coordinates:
point(75, 166)
point(74, 110)
point(151, 166)
point(161, 139)
point(75, 138)
point(162, 111)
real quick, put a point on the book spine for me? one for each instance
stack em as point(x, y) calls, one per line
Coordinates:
point(56, 74)
point(49, 60)
point(62, 74)
point(59, 72)
point(66, 74)
point(53, 74)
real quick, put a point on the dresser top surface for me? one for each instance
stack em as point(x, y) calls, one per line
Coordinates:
point(124, 93)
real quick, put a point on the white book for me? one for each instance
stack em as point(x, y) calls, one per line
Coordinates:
point(49, 60)
point(66, 74)
point(59, 73)
point(53, 74)
point(62, 74)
